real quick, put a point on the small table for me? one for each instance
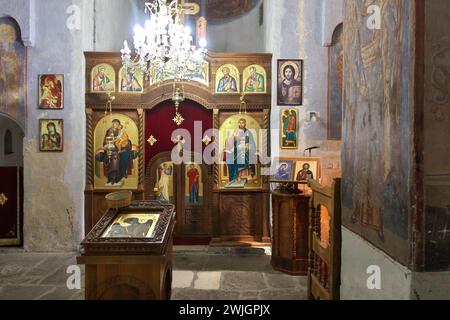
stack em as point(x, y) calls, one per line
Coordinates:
point(290, 221)
point(128, 254)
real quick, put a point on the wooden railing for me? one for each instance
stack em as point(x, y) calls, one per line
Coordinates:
point(324, 241)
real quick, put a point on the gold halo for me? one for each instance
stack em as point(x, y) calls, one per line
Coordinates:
point(294, 65)
point(233, 70)
point(8, 34)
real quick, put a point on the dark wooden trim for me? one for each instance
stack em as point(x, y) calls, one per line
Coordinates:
point(141, 127)
point(89, 149)
point(417, 234)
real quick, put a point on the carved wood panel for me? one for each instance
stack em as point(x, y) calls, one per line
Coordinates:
point(238, 214)
point(192, 220)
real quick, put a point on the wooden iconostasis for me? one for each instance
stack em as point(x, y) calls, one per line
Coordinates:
point(130, 145)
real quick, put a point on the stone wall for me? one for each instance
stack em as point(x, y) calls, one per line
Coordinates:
point(113, 22)
point(54, 201)
point(295, 30)
point(243, 34)
point(437, 133)
point(430, 257)
point(16, 158)
point(54, 210)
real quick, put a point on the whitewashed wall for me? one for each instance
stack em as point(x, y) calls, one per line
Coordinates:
point(295, 30)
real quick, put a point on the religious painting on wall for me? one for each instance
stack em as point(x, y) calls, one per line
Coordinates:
point(132, 225)
point(227, 79)
point(239, 138)
point(289, 84)
point(51, 135)
point(335, 79)
point(131, 80)
point(12, 66)
point(116, 143)
point(377, 64)
point(289, 128)
point(255, 79)
point(202, 76)
point(51, 91)
point(194, 185)
point(284, 169)
point(164, 182)
point(103, 78)
point(307, 168)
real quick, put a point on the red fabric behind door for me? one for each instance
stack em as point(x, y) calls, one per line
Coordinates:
point(159, 123)
point(11, 210)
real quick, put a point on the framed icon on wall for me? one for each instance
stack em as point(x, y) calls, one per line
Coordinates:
point(290, 82)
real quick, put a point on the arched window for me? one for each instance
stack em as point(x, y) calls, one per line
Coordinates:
point(8, 142)
point(335, 84)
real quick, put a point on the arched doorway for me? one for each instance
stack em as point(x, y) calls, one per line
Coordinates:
point(187, 184)
point(11, 182)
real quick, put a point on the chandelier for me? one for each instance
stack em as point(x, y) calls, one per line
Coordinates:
point(164, 47)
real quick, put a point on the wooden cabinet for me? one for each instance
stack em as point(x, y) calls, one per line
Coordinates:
point(128, 254)
point(290, 232)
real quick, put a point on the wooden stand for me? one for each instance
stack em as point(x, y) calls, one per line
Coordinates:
point(290, 231)
point(130, 268)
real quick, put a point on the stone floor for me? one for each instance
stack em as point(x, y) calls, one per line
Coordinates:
point(200, 273)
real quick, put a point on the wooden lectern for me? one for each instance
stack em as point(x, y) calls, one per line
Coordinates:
point(128, 254)
point(290, 223)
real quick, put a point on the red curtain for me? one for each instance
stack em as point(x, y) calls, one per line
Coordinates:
point(160, 125)
point(11, 205)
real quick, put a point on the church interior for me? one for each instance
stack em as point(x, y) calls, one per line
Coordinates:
point(224, 150)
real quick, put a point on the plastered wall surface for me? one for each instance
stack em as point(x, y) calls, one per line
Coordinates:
point(295, 30)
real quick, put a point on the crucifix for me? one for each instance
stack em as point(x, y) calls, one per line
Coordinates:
point(192, 8)
point(188, 8)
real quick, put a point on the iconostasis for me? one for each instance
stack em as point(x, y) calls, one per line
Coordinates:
point(132, 130)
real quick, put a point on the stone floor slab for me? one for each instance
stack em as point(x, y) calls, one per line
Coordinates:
point(225, 295)
point(242, 281)
point(281, 281)
point(208, 280)
point(60, 293)
point(23, 292)
point(286, 294)
point(209, 273)
point(52, 263)
point(182, 279)
point(194, 261)
point(249, 295)
point(191, 294)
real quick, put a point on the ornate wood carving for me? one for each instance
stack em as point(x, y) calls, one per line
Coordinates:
point(216, 125)
point(192, 221)
point(141, 125)
point(204, 95)
point(95, 243)
point(239, 220)
point(290, 232)
point(135, 105)
point(130, 268)
point(89, 149)
point(107, 288)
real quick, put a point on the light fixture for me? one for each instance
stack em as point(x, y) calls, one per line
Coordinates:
point(164, 46)
point(177, 98)
point(243, 105)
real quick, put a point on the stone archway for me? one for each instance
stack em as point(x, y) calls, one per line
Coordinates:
point(11, 183)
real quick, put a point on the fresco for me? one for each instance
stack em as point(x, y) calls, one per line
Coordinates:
point(12, 71)
point(376, 128)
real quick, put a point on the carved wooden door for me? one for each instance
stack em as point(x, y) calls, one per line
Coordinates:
point(193, 201)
